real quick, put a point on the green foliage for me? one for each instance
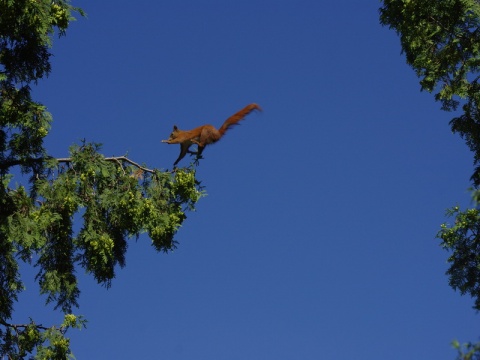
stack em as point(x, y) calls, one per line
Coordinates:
point(48, 343)
point(110, 199)
point(441, 41)
point(467, 351)
point(115, 200)
point(462, 240)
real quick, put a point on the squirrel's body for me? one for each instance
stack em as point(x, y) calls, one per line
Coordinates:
point(205, 134)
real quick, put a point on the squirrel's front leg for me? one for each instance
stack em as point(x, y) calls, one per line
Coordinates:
point(196, 142)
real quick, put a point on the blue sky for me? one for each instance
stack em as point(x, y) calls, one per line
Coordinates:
point(317, 237)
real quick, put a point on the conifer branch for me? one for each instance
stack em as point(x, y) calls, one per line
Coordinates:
point(9, 163)
point(116, 159)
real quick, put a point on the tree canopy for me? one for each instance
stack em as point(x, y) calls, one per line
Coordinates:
point(441, 42)
point(113, 198)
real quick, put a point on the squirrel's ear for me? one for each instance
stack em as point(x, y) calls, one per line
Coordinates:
point(175, 128)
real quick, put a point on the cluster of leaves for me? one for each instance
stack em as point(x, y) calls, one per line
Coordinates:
point(26, 28)
point(77, 212)
point(462, 239)
point(441, 42)
point(113, 201)
point(468, 351)
point(49, 343)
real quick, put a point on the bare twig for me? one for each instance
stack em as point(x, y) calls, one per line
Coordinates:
point(116, 159)
point(16, 326)
point(124, 158)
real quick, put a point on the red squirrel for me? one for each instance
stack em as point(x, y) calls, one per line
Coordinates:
point(206, 134)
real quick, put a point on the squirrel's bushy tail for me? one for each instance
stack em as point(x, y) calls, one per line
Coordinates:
point(235, 118)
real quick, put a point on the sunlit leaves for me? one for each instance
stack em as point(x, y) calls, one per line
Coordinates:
point(85, 211)
point(462, 240)
point(26, 27)
point(77, 213)
point(439, 38)
point(48, 342)
point(10, 284)
point(468, 351)
point(441, 41)
point(113, 205)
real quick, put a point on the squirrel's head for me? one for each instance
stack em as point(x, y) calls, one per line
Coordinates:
point(174, 133)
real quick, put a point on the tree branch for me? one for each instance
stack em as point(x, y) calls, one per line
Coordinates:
point(117, 159)
point(16, 326)
point(9, 163)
